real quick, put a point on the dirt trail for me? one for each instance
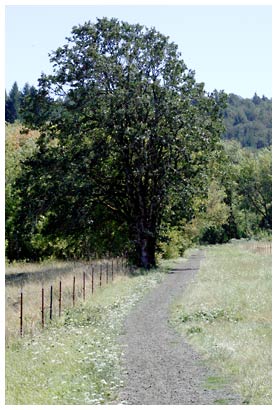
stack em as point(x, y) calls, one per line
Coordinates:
point(161, 368)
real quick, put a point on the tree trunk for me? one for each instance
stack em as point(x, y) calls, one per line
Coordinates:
point(143, 213)
point(145, 249)
point(145, 253)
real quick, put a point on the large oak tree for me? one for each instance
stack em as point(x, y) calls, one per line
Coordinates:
point(125, 128)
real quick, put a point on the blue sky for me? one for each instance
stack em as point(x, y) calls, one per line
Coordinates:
point(229, 47)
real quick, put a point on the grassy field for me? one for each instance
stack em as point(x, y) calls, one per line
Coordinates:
point(76, 359)
point(226, 315)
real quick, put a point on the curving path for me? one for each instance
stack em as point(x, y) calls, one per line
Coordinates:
point(161, 368)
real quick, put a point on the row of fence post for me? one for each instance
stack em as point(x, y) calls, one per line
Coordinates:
point(84, 289)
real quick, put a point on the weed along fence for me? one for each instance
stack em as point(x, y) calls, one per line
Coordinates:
point(33, 303)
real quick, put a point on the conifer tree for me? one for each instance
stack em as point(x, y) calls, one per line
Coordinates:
point(12, 104)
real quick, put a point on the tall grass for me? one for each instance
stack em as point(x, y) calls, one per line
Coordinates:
point(31, 277)
point(77, 359)
point(226, 314)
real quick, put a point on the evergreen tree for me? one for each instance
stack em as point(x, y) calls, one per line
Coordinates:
point(12, 104)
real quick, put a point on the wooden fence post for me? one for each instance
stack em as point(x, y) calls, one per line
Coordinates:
point(42, 308)
point(73, 292)
point(92, 278)
point(60, 298)
point(107, 272)
point(51, 303)
point(21, 313)
point(84, 285)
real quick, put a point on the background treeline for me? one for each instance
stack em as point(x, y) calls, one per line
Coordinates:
point(247, 120)
point(14, 101)
point(237, 203)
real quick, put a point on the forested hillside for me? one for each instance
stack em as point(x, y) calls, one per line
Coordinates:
point(128, 154)
point(249, 121)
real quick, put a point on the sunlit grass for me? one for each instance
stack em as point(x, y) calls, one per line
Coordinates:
point(77, 359)
point(43, 275)
point(226, 314)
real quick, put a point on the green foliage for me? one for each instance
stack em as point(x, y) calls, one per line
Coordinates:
point(126, 135)
point(18, 147)
point(174, 244)
point(16, 102)
point(12, 104)
point(250, 174)
point(236, 202)
point(249, 121)
point(210, 214)
point(255, 185)
point(209, 316)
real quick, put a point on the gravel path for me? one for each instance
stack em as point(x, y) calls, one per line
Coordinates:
point(161, 368)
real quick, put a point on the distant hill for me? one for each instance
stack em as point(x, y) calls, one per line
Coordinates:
point(249, 121)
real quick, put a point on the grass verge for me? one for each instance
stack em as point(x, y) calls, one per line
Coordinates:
point(77, 359)
point(225, 314)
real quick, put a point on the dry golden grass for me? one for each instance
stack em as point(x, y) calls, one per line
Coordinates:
point(37, 276)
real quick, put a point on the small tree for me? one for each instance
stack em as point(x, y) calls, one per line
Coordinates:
point(12, 104)
point(255, 185)
point(123, 124)
point(247, 179)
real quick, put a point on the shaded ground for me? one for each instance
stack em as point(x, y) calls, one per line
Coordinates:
point(161, 368)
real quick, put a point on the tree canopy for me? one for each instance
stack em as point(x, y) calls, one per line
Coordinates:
point(249, 121)
point(125, 133)
point(12, 104)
